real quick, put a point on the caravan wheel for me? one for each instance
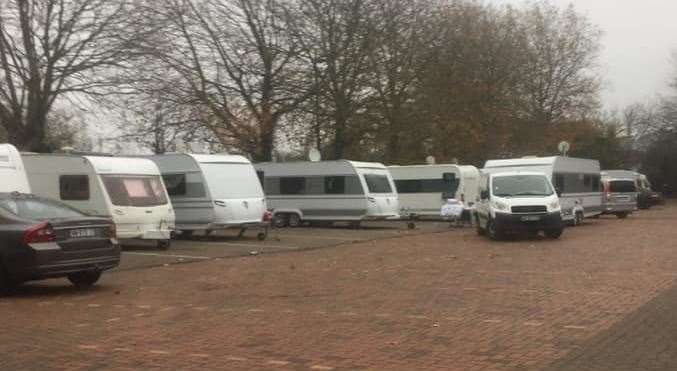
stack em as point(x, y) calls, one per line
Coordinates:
point(280, 220)
point(294, 220)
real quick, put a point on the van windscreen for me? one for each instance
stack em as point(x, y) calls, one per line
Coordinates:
point(622, 186)
point(138, 191)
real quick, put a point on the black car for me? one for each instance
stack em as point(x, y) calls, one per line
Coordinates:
point(41, 238)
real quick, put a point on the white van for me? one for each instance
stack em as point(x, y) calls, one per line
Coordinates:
point(213, 192)
point(327, 191)
point(516, 201)
point(577, 180)
point(12, 171)
point(424, 189)
point(130, 191)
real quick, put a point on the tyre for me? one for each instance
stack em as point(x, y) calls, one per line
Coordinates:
point(294, 220)
point(164, 244)
point(532, 233)
point(479, 229)
point(84, 279)
point(280, 220)
point(553, 233)
point(186, 234)
point(578, 219)
point(492, 231)
point(622, 215)
point(261, 236)
point(411, 225)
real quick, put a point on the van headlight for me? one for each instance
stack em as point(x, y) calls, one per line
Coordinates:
point(554, 205)
point(499, 206)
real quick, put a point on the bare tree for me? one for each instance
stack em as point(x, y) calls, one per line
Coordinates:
point(336, 37)
point(51, 49)
point(559, 79)
point(240, 61)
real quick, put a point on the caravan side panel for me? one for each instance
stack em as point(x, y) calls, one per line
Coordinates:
point(70, 180)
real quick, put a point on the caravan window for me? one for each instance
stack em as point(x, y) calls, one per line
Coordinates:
point(139, 191)
point(377, 183)
point(175, 183)
point(426, 186)
point(74, 187)
point(292, 186)
point(577, 183)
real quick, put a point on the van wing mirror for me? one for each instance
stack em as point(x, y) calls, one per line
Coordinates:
point(558, 191)
point(484, 195)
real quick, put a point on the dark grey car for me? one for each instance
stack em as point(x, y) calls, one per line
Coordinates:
point(42, 238)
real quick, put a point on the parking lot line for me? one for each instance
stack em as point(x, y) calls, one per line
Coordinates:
point(168, 255)
point(314, 237)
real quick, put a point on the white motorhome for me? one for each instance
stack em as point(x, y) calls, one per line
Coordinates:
point(424, 189)
point(577, 180)
point(130, 191)
point(516, 201)
point(327, 191)
point(213, 192)
point(12, 171)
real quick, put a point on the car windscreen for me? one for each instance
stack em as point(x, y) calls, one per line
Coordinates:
point(521, 186)
point(38, 209)
point(138, 191)
point(378, 183)
point(622, 186)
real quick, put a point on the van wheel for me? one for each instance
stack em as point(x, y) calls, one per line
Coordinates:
point(492, 231)
point(553, 233)
point(294, 220)
point(621, 215)
point(84, 279)
point(280, 220)
point(164, 244)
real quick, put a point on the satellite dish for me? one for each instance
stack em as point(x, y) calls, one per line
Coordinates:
point(314, 155)
point(564, 147)
point(430, 160)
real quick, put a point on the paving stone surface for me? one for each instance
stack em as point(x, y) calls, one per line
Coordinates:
point(601, 297)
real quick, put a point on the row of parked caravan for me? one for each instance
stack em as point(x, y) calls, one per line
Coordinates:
point(157, 197)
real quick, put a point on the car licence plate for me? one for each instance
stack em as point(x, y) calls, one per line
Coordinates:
point(83, 233)
point(531, 218)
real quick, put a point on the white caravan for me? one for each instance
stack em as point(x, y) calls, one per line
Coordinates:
point(576, 179)
point(328, 191)
point(516, 201)
point(213, 192)
point(12, 171)
point(424, 189)
point(130, 191)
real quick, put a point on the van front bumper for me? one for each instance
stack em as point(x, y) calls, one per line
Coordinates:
point(530, 222)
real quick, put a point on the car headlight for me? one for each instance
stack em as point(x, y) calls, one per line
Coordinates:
point(500, 206)
point(554, 205)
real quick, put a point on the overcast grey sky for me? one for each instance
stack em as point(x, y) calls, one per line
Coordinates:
point(639, 38)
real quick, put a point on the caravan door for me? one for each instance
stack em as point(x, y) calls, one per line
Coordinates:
point(12, 172)
point(382, 201)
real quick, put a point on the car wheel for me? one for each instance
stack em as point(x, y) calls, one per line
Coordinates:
point(164, 244)
point(7, 286)
point(294, 220)
point(280, 220)
point(622, 215)
point(553, 233)
point(84, 279)
point(492, 231)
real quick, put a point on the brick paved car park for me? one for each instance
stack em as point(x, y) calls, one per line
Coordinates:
point(600, 298)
